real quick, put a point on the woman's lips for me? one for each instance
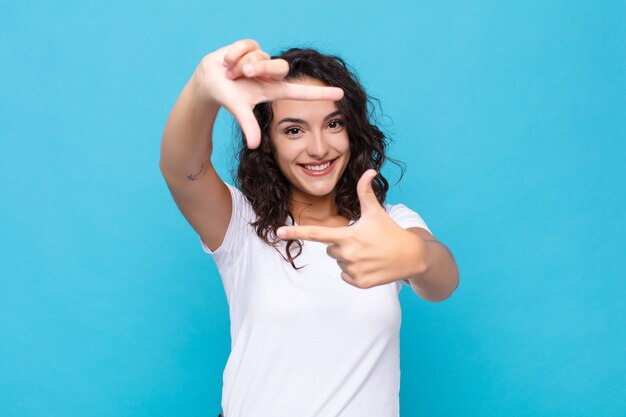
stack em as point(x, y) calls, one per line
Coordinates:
point(319, 173)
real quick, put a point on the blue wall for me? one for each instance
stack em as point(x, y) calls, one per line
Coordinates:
point(510, 116)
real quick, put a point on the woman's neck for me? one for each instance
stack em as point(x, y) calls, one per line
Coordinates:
point(306, 207)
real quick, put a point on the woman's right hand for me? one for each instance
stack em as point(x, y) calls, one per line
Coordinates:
point(223, 78)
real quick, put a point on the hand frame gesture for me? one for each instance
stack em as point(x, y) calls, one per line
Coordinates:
point(241, 75)
point(372, 252)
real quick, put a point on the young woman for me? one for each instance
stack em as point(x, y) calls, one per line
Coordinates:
point(310, 256)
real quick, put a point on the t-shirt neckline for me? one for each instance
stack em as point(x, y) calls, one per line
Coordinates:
point(294, 223)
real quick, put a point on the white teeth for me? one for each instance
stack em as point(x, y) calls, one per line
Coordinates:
point(317, 167)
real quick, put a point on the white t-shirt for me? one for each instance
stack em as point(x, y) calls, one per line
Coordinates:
point(305, 343)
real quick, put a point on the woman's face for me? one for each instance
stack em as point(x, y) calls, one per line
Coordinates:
point(311, 142)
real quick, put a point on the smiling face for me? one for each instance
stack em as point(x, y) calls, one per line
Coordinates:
point(312, 144)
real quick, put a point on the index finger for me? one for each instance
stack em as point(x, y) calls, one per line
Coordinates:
point(314, 233)
point(294, 91)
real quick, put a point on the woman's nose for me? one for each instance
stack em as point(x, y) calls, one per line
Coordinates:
point(317, 145)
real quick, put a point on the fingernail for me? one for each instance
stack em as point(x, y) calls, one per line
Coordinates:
point(248, 69)
point(280, 232)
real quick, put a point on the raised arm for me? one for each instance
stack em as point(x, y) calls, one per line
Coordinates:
point(186, 147)
point(185, 163)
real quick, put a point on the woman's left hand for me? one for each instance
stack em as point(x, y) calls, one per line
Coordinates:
point(374, 251)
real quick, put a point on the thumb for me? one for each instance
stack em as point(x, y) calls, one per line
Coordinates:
point(367, 197)
point(249, 125)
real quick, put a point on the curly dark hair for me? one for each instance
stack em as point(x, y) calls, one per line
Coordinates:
point(262, 182)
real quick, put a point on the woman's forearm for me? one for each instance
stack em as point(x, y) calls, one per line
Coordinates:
point(186, 144)
point(440, 277)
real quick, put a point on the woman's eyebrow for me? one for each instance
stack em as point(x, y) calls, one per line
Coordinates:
point(294, 120)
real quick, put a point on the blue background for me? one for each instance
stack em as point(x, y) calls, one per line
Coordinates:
point(510, 116)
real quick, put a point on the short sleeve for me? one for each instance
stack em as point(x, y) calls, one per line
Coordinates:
point(238, 230)
point(405, 218)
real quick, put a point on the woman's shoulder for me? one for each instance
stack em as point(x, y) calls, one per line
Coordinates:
point(397, 208)
point(238, 231)
point(241, 204)
point(404, 216)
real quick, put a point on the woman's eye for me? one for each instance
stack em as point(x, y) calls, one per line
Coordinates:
point(333, 124)
point(337, 123)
